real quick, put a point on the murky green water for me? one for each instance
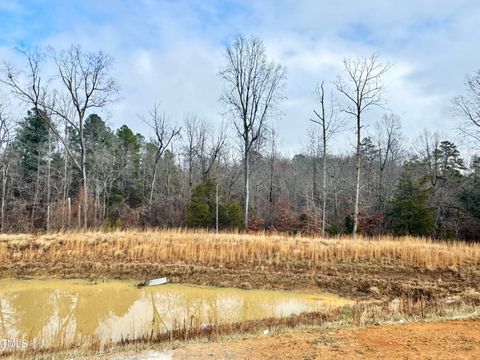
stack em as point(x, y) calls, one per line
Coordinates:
point(62, 312)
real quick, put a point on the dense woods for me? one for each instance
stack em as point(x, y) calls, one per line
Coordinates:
point(63, 167)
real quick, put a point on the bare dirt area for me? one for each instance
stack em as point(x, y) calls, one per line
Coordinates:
point(442, 340)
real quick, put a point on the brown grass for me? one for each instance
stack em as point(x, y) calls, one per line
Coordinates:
point(233, 249)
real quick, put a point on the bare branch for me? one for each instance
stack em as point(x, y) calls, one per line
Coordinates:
point(252, 92)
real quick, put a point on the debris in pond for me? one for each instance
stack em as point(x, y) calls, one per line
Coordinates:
point(154, 282)
point(207, 326)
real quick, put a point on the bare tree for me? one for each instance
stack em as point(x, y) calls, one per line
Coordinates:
point(362, 88)
point(164, 136)
point(210, 145)
point(252, 91)
point(83, 84)
point(272, 159)
point(468, 106)
point(389, 137)
point(428, 147)
point(189, 149)
point(329, 123)
point(4, 159)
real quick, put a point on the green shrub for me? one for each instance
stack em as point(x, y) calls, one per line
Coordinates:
point(201, 210)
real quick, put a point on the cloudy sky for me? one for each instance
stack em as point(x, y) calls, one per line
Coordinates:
point(170, 51)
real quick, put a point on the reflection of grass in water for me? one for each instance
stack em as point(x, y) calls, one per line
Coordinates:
point(157, 319)
point(177, 307)
point(183, 310)
point(223, 305)
point(3, 327)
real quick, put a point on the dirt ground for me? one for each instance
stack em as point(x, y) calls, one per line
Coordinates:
point(443, 340)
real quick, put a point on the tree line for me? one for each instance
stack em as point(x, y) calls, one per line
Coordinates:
point(63, 167)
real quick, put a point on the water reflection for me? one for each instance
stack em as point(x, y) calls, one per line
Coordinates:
point(62, 312)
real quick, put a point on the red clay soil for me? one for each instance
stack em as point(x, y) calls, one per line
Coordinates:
point(443, 340)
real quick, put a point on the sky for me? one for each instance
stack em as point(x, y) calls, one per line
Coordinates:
point(170, 52)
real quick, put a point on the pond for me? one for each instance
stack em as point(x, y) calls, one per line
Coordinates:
point(61, 312)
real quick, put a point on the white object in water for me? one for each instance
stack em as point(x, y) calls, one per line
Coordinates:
point(265, 332)
point(159, 281)
point(207, 326)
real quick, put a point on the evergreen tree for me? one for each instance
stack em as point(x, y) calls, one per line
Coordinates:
point(129, 159)
point(31, 144)
point(449, 179)
point(32, 150)
point(410, 213)
point(202, 209)
point(450, 162)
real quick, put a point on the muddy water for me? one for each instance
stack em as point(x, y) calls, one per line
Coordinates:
point(62, 312)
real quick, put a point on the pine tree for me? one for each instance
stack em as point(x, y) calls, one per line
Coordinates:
point(410, 213)
point(31, 144)
point(201, 210)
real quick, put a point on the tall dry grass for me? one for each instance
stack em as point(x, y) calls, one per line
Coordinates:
point(204, 248)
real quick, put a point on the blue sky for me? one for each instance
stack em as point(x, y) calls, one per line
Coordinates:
point(171, 51)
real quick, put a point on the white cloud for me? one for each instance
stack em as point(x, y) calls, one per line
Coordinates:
point(170, 52)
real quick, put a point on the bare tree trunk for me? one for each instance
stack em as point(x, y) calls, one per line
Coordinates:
point(335, 197)
point(85, 198)
point(35, 197)
point(246, 180)
point(152, 184)
point(357, 185)
point(329, 126)
point(69, 213)
point(104, 206)
point(49, 161)
point(64, 190)
point(314, 179)
point(4, 191)
point(271, 199)
point(95, 207)
point(324, 183)
point(79, 216)
point(380, 206)
point(84, 175)
point(216, 208)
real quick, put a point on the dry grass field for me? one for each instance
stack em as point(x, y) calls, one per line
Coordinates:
point(359, 268)
point(206, 248)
